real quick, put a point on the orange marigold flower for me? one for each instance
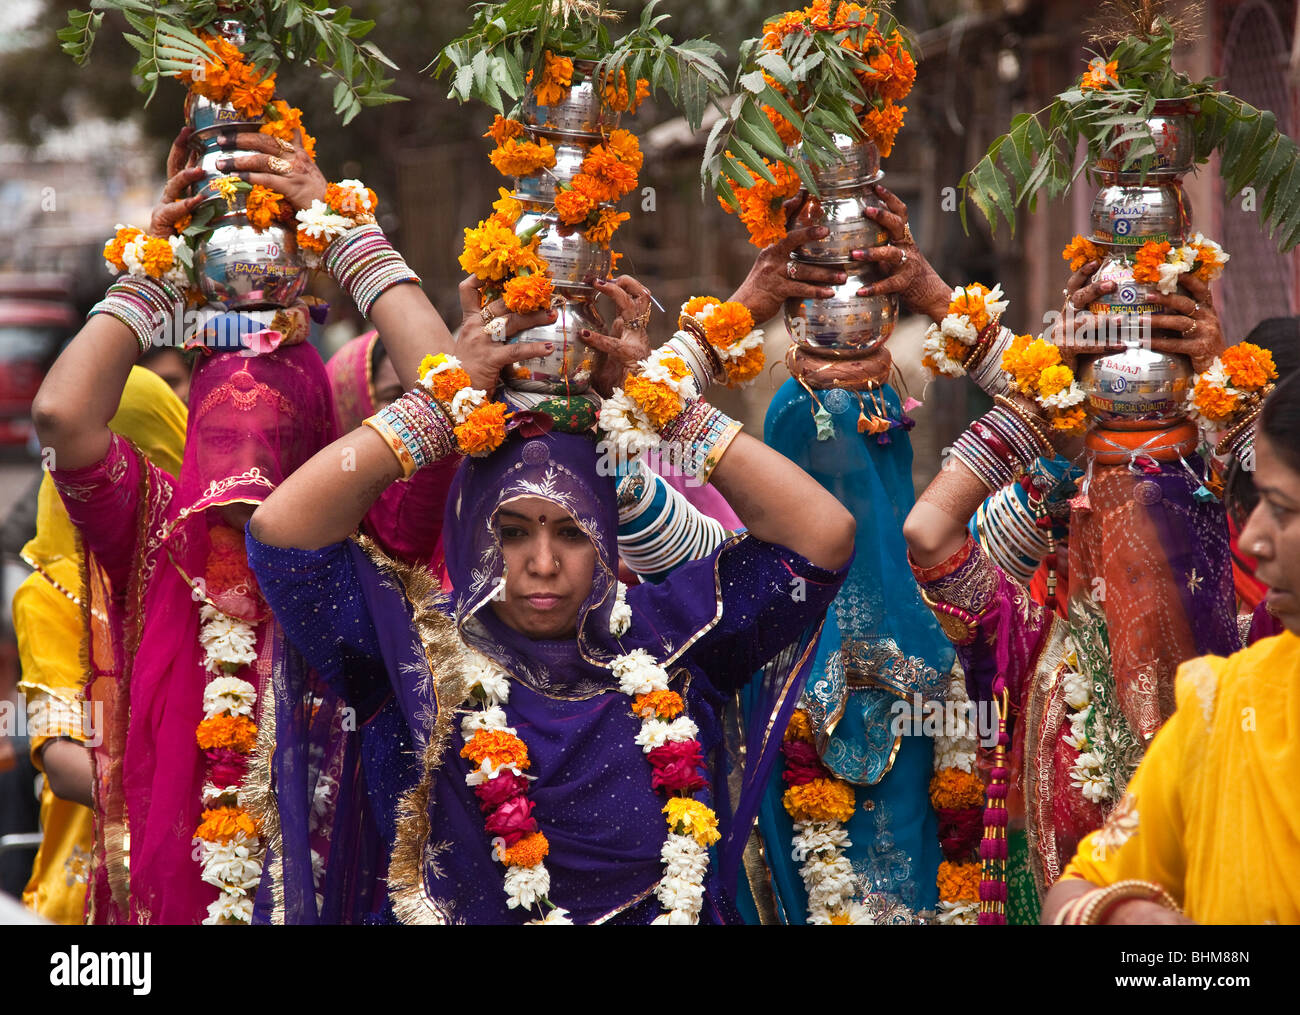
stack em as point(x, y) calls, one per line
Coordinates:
point(603, 165)
point(664, 704)
point(658, 401)
point(503, 129)
point(1054, 379)
point(1071, 422)
point(642, 93)
point(883, 125)
point(488, 249)
point(573, 206)
point(157, 257)
point(182, 223)
point(1248, 366)
point(496, 746)
point(695, 304)
point(482, 433)
point(529, 851)
point(607, 222)
point(263, 206)
point(624, 146)
point(507, 205)
point(1213, 402)
point(1146, 263)
point(307, 241)
point(727, 324)
point(526, 294)
point(820, 800)
point(1100, 75)
point(525, 260)
point(221, 824)
point(251, 94)
point(784, 128)
point(746, 367)
point(113, 248)
point(1079, 251)
point(443, 386)
point(959, 882)
point(231, 732)
point(799, 728)
point(953, 789)
point(615, 92)
point(557, 79)
point(522, 158)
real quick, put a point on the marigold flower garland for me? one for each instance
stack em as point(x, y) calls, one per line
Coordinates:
point(1087, 736)
point(1035, 370)
point(820, 805)
point(973, 313)
point(667, 737)
point(133, 251)
point(1162, 264)
point(1080, 250)
point(231, 850)
point(730, 330)
point(885, 70)
point(510, 262)
point(957, 795)
point(347, 204)
point(479, 424)
point(1238, 380)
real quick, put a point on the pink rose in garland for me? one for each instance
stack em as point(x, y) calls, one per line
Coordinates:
point(677, 767)
point(512, 820)
point(494, 792)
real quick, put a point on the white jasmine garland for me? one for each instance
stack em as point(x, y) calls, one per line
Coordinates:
point(935, 349)
point(491, 718)
point(656, 732)
point(526, 886)
point(228, 696)
point(1065, 398)
point(555, 917)
point(216, 796)
point(625, 424)
point(653, 369)
point(958, 913)
point(620, 617)
point(959, 326)
point(487, 677)
point(228, 643)
point(234, 866)
point(229, 909)
point(638, 673)
point(465, 401)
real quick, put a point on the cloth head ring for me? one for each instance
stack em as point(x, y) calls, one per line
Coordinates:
point(279, 166)
point(496, 329)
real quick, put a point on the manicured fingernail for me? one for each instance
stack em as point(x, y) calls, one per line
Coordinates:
point(841, 277)
point(826, 293)
point(858, 255)
point(225, 165)
point(865, 290)
point(550, 347)
point(584, 332)
point(873, 212)
point(552, 315)
point(226, 141)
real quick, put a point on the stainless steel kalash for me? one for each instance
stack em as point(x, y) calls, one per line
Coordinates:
point(573, 127)
point(845, 325)
point(237, 266)
point(1137, 388)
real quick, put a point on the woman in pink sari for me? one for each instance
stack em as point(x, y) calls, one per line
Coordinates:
point(168, 570)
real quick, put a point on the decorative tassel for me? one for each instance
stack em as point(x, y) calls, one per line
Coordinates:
point(1080, 503)
point(1204, 495)
point(911, 404)
point(824, 423)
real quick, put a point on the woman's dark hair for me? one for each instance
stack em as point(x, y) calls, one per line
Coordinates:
point(1280, 420)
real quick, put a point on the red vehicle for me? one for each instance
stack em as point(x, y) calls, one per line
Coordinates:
point(36, 318)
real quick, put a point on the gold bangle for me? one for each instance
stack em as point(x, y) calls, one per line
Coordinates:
point(1105, 899)
point(716, 452)
point(690, 326)
point(1044, 445)
point(395, 444)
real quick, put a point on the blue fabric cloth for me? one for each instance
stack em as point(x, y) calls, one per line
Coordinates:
point(880, 629)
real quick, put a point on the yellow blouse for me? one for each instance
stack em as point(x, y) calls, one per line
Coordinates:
point(1213, 812)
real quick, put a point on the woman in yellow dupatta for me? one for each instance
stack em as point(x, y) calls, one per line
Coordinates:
point(51, 633)
point(1208, 830)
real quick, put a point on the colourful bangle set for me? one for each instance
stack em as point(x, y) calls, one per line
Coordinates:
point(415, 429)
point(705, 366)
point(145, 305)
point(659, 529)
point(1000, 446)
point(702, 434)
point(365, 265)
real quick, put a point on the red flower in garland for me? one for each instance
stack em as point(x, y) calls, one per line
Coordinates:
point(512, 820)
point(802, 764)
point(494, 792)
point(677, 767)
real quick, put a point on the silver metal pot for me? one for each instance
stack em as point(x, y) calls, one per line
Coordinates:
point(1136, 388)
point(574, 262)
point(846, 325)
point(538, 190)
point(581, 114)
point(1172, 125)
point(567, 369)
point(241, 268)
point(844, 214)
point(857, 163)
point(1129, 215)
point(1130, 296)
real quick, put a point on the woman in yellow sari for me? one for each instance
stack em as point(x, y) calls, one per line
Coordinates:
point(51, 633)
point(1208, 830)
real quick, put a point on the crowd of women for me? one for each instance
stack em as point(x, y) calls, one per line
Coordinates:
point(350, 661)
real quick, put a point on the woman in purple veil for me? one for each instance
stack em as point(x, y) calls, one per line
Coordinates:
point(531, 551)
